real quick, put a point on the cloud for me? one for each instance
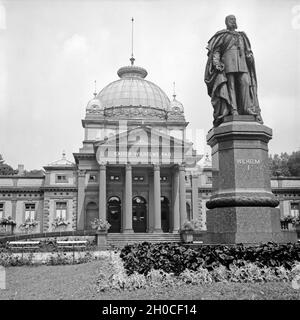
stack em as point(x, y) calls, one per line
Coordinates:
point(2, 17)
point(76, 45)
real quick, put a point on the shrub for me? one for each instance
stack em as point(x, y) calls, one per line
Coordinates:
point(8, 259)
point(157, 278)
point(175, 258)
point(220, 274)
point(201, 276)
point(59, 258)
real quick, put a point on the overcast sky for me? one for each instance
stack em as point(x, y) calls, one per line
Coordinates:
point(52, 51)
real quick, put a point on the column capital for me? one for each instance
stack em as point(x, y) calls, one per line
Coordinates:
point(128, 166)
point(156, 167)
point(102, 166)
point(81, 173)
point(181, 167)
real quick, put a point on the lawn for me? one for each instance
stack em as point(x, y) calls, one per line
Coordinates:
point(79, 282)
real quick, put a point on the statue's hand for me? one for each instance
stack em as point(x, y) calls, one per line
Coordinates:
point(220, 66)
point(250, 58)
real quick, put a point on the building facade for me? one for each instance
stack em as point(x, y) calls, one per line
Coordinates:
point(135, 169)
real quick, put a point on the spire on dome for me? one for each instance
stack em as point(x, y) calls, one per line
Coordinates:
point(95, 88)
point(174, 94)
point(132, 58)
point(176, 105)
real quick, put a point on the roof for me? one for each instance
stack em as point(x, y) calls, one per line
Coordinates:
point(133, 90)
point(63, 162)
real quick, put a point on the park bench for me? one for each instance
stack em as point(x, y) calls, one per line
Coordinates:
point(72, 244)
point(24, 244)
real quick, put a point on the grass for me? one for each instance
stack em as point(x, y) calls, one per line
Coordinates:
point(79, 282)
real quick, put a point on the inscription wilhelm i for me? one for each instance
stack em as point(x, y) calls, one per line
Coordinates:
point(248, 162)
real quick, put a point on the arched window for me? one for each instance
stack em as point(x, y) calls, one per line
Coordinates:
point(114, 200)
point(114, 213)
point(139, 200)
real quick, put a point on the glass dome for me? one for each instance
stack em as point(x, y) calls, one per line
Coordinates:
point(133, 90)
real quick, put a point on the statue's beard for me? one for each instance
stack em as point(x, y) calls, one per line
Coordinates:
point(232, 26)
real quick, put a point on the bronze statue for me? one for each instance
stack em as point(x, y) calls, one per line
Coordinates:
point(230, 74)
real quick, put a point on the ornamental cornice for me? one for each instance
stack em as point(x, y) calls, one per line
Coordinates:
point(20, 189)
point(143, 112)
point(59, 189)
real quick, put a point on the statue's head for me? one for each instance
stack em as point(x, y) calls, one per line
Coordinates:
point(230, 22)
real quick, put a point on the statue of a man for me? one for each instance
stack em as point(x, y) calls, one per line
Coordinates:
point(230, 74)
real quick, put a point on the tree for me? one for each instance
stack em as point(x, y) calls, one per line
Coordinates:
point(279, 165)
point(6, 170)
point(294, 163)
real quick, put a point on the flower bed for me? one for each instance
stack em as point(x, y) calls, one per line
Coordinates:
point(175, 258)
point(28, 226)
point(7, 222)
point(49, 245)
point(119, 279)
point(163, 265)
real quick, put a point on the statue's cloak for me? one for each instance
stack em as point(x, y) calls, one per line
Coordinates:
point(216, 80)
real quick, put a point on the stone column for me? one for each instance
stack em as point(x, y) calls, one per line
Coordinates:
point(80, 201)
point(195, 211)
point(150, 226)
point(102, 192)
point(14, 209)
point(176, 213)
point(157, 201)
point(127, 221)
point(182, 194)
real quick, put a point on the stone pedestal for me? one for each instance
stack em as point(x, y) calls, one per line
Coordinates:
point(242, 206)
point(101, 238)
point(187, 236)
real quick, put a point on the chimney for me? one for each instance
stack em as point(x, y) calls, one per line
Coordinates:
point(20, 169)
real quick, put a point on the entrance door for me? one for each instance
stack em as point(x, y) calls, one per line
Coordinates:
point(114, 214)
point(139, 214)
point(165, 214)
point(91, 213)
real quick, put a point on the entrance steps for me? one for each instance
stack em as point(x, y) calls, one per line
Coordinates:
point(122, 239)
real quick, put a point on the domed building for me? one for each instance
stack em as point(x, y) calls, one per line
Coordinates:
point(133, 160)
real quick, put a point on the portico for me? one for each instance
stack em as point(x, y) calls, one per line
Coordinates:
point(146, 198)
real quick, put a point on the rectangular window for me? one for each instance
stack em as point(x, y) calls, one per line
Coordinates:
point(1, 210)
point(295, 209)
point(29, 212)
point(209, 180)
point(93, 178)
point(61, 178)
point(138, 178)
point(114, 178)
point(61, 210)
